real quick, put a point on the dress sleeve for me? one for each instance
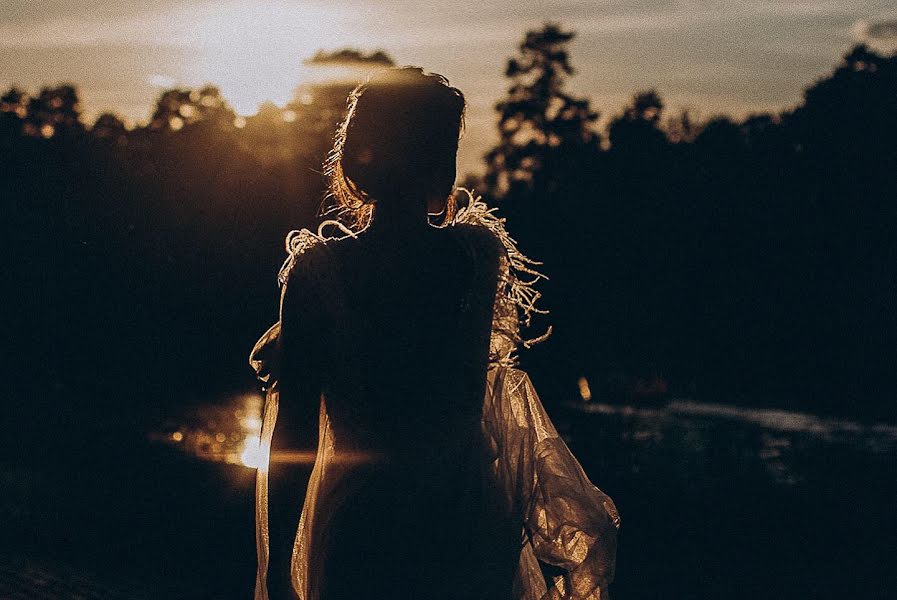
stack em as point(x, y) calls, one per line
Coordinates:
point(568, 522)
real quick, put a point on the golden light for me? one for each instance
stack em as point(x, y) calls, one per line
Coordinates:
point(584, 390)
point(232, 433)
point(253, 455)
point(253, 424)
point(254, 51)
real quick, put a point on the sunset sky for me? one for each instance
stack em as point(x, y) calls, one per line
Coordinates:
point(709, 55)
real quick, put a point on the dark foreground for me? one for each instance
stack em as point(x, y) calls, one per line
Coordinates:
point(716, 503)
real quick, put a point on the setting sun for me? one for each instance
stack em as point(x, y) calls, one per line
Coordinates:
point(254, 52)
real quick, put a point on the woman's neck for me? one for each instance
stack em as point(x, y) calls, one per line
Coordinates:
point(407, 217)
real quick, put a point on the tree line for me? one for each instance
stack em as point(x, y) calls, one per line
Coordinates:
point(747, 260)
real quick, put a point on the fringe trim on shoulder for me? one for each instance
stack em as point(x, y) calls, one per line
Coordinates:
point(298, 241)
point(517, 298)
point(517, 291)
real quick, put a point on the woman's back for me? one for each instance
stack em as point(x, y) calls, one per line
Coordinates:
point(409, 323)
point(395, 335)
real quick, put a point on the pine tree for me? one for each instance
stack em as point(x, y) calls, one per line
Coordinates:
point(540, 125)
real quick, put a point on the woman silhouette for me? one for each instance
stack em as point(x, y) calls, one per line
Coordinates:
point(438, 474)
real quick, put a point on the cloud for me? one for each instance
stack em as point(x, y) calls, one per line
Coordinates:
point(86, 29)
point(880, 34)
point(351, 56)
point(882, 30)
point(31, 12)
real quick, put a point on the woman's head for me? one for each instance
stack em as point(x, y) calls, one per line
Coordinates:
point(398, 143)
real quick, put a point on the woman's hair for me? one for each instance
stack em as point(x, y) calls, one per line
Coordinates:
point(400, 135)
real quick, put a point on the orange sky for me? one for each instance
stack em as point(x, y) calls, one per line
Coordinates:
point(709, 55)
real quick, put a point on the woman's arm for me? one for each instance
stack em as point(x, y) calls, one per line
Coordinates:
point(301, 343)
point(287, 360)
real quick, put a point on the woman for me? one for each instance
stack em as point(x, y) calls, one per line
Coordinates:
point(438, 473)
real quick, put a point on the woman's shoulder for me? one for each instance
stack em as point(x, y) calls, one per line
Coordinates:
point(478, 222)
point(474, 231)
point(479, 245)
point(309, 254)
point(478, 239)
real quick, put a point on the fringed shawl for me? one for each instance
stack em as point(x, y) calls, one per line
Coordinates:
point(565, 520)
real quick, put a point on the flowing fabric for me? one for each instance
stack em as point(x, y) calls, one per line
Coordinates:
point(569, 523)
point(565, 521)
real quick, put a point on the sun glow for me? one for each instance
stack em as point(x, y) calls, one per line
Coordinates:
point(253, 455)
point(254, 51)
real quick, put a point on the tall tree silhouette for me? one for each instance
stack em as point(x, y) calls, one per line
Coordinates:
point(851, 116)
point(539, 123)
point(545, 172)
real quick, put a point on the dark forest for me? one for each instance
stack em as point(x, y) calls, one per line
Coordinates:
point(751, 261)
point(733, 264)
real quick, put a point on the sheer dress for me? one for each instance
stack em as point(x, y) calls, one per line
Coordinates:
point(438, 472)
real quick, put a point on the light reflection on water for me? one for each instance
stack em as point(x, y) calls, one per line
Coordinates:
point(878, 436)
point(227, 432)
point(787, 444)
point(777, 439)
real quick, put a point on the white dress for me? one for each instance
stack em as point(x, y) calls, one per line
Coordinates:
point(565, 520)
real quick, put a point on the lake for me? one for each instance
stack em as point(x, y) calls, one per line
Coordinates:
point(717, 501)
